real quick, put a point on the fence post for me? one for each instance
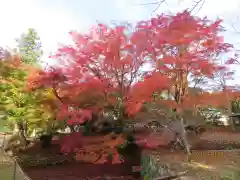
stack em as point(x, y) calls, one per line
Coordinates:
point(14, 170)
point(3, 140)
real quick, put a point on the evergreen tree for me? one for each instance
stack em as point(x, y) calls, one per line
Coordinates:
point(29, 46)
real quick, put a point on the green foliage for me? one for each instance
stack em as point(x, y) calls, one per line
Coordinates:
point(29, 46)
point(21, 106)
point(236, 106)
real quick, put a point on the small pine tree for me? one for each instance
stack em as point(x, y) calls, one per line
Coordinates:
point(29, 47)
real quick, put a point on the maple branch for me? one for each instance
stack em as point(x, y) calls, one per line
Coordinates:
point(133, 74)
point(97, 74)
point(151, 3)
point(235, 29)
point(57, 95)
point(54, 87)
point(61, 99)
point(159, 4)
point(197, 3)
point(154, 3)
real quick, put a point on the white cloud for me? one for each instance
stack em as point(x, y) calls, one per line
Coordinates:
point(132, 10)
point(52, 25)
point(54, 22)
point(222, 8)
point(12, 15)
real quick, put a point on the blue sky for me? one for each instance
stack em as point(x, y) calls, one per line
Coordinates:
point(53, 19)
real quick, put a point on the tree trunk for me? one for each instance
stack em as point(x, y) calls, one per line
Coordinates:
point(21, 132)
point(229, 107)
point(184, 138)
point(22, 138)
point(18, 135)
point(177, 126)
point(71, 127)
point(33, 134)
point(46, 140)
point(25, 129)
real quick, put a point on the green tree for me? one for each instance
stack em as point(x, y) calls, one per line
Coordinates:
point(25, 111)
point(29, 47)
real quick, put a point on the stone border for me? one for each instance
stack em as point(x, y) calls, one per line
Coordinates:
point(14, 162)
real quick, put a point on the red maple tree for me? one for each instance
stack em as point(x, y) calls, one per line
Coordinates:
point(99, 72)
point(114, 68)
